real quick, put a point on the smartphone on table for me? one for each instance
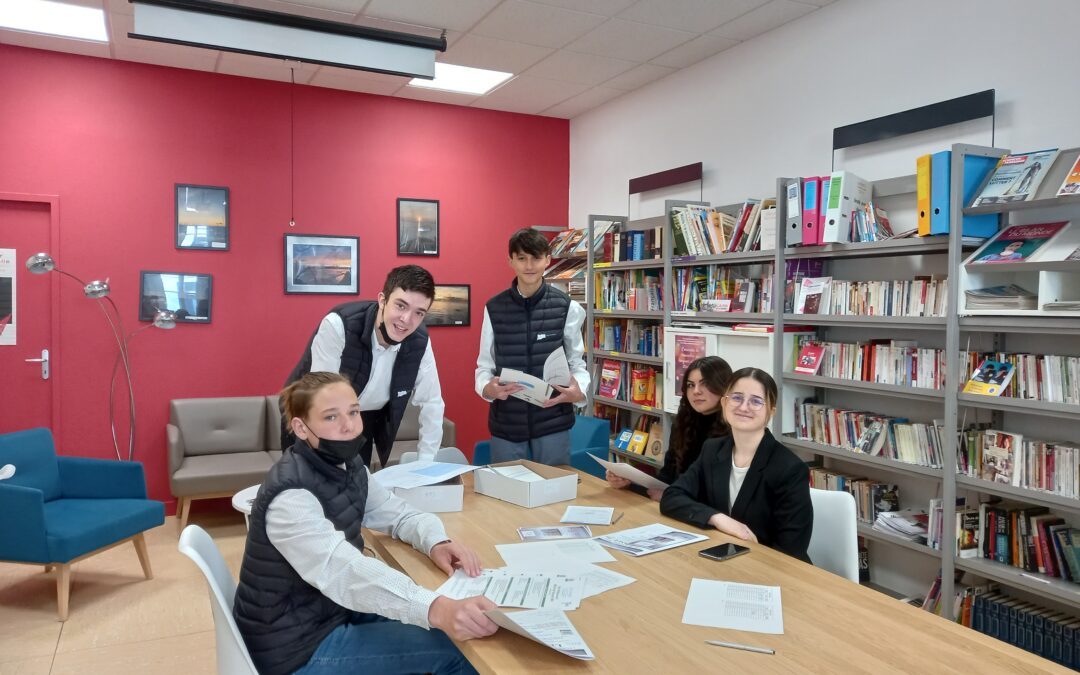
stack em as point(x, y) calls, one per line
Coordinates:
point(723, 551)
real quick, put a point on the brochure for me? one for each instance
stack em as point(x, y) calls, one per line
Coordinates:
point(536, 390)
point(990, 378)
point(550, 627)
point(641, 541)
point(542, 533)
point(1016, 177)
point(1017, 243)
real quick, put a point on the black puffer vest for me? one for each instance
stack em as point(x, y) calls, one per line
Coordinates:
point(526, 331)
point(380, 426)
point(281, 617)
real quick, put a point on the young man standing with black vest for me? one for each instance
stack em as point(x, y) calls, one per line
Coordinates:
point(383, 349)
point(522, 326)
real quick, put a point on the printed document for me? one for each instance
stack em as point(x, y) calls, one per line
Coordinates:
point(631, 473)
point(726, 604)
point(418, 474)
point(538, 390)
point(648, 539)
point(549, 627)
point(517, 472)
point(597, 579)
point(525, 588)
point(588, 515)
point(540, 532)
point(586, 550)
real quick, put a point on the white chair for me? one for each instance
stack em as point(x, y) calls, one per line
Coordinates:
point(232, 654)
point(834, 544)
point(448, 455)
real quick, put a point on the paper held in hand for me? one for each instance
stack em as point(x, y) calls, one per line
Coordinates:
point(536, 390)
point(632, 474)
point(550, 627)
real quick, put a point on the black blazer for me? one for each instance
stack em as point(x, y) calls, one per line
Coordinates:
point(774, 501)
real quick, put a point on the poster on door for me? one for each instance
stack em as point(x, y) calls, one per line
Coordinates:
point(7, 296)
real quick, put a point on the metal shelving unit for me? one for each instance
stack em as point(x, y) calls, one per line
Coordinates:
point(892, 322)
point(897, 390)
point(852, 456)
point(1037, 497)
point(868, 531)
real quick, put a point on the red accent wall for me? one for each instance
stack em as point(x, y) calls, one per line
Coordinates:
point(112, 138)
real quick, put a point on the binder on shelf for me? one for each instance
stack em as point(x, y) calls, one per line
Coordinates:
point(793, 222)
point(847, 192)
point(975, 171)
point(811, 205)
point(826, 184)
point(922, 193)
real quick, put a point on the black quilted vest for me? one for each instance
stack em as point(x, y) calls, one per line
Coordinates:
point(526, 331)
point(380, 426)
point(281, 617)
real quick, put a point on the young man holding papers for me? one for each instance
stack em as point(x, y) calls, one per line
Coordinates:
point(531, 329)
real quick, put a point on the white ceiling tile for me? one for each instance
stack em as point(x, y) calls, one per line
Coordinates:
point(819, 3)
point(696, 16)
point(401, 27)
point(763, 19)
point(263, 68)
point(526, 94)
point(300, 9)
point(119, 7)
point(477, 51)
point(436, 96)
point(587, 100)
point(309, 7)
point(629, 40)
point(605, 7)
point(638, 77)
point(458, 15)
point(582, 68)
point(53, 43)
point(535, 24)
point(697, 49)
point(356, 80)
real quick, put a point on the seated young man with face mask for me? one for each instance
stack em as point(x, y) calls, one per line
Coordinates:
point(308, 600)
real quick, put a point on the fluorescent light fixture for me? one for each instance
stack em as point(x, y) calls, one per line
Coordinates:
point(54, 18)
point(462, 79)
point(235, 28)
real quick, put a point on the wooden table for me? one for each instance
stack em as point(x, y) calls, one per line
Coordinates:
point(830, 624)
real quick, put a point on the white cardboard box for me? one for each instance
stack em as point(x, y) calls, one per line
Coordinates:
point(558, 485)
point(439, 498)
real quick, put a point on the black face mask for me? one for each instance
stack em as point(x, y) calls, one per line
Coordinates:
point(338, 452)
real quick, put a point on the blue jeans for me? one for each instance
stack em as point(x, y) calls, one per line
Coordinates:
point(373, 644)
point(553, 449)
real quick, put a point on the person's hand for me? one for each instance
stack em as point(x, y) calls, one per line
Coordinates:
point(617, 481)
point(729, 525)
point(462, 619)
point(571, 394)
point(495, 389)
point(655, 493)
point(450, 555)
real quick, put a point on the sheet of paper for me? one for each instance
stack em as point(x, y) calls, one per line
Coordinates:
point(517, 472)
point(640, 541)
point(726, 604)
point(540, 532)
point(557, 368)
point(416, 474)
point(632, 474)
point(588, 515)
point(586, 550)
point(549, 627)
point(538, 390)
point(597, 579)
point(525, 588)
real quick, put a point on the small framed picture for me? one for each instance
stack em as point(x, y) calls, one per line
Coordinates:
point(317, 263)
point(450, 307)
point(418, 226)
point(202, 217)
point(185, 294)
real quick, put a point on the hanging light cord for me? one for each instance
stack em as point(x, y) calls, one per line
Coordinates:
point(292, 147)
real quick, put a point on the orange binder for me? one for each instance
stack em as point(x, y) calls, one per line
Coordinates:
point(922, 193)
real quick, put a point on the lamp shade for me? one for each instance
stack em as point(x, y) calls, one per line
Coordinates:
point(40, 263)
point(96, 289)
point(165, 319)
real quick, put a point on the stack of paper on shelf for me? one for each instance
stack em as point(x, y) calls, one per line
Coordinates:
point(1001, 297)
point(909, 524)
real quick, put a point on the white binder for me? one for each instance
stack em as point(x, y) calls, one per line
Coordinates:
point(847, 192)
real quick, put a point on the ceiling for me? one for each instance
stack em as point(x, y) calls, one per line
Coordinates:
point(568, 56)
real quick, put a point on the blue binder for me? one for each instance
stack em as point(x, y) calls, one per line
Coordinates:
point(975, 171)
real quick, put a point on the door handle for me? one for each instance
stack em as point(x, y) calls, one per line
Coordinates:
point(44, 361)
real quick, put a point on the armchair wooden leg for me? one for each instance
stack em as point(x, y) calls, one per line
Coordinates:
point(144, 557)
point(48, 568)
point(183, 507)
point(63, 590)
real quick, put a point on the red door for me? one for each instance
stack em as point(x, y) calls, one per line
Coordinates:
point(26, 397)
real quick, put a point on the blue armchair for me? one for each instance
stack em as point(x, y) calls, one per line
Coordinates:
point(588, 435)
point(56, 511)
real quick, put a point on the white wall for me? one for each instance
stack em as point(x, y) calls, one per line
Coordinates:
point(767, 107)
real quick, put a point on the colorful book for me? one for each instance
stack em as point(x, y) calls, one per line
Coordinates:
point(622, 441)
point(814, 295)
point(610, 378)
point(1016, 177)
point(809, 360)
point(1071, 184)
point(1017, 243)
point(990, 378)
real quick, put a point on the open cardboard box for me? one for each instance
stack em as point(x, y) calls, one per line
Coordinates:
point(558, 485)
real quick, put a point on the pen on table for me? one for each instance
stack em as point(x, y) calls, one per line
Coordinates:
point(618, 517)
point(736, 645)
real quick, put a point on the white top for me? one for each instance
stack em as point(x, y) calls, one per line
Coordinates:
point(573, 345)
point(326, 351)
point(299, 530)
point(735, 483)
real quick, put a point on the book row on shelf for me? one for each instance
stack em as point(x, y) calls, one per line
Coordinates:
point(1010, 459)
point(1036, 377)
point(1047, 633)
point(634, 290)
point(896, 362)
point(611, 244)
point(628, 382)
point(922, 296)
point(629, 336)
point(702, 230)
point(871, 434)
point(871, 497)
point(721, 289)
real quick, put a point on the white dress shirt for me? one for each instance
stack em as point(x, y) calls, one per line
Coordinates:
point(326, 351)
point(320, 554)
point(573, 345)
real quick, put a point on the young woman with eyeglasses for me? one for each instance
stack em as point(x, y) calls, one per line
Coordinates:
point(699, 419)
point(748, 484)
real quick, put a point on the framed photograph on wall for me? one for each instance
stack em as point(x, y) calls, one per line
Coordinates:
point(418, 226)
point(450, 307)
point(202, 217)
point(317, 263)
point(186, 294)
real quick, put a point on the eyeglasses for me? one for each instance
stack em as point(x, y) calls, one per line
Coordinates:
point(755, 402)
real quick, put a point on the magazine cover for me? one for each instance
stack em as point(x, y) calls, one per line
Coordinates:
point(688, 348)
point(997, 452)
point(1016, 177)
point(1071, 184)
point(809, 360)
point(990, 378)
point(814, 295)
point(1017, 243)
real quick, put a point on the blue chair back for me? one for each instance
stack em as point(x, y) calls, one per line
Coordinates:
point(587, 433)
point(33, 455)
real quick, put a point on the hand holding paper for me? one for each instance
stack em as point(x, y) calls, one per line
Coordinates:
point(536, 390)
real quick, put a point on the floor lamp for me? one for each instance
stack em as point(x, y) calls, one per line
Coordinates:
point(43, 263)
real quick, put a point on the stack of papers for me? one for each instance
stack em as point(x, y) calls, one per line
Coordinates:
point(588, 515)
point(726, 604)
point(417, 474)
point(517, 472)
point(649, 539)
point(549, 627)
point(512, 587)
point(540, 532)
point(909, 524)
point(585, 550)
point(1001, 297)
